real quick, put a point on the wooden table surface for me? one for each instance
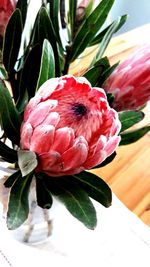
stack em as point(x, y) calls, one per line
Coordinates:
point(129, 174)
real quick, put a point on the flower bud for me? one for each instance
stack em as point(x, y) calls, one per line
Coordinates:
point(130, 82)
point(70, 126)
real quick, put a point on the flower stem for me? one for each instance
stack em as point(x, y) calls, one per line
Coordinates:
point(67, 60)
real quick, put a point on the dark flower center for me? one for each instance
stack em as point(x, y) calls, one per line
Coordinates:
point(79, 109)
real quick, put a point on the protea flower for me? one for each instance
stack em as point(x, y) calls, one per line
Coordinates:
point(70, 126)
point(130, 82)
point(6, 9)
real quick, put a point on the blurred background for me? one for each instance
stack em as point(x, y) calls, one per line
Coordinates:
point(138, 11)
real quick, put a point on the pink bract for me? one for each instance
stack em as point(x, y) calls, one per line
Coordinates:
point(6, 9)
point(130, 82)
point(70, 126)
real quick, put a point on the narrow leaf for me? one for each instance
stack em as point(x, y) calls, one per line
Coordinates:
point(10, 117)
point(110, 99)
point(23, 6)
point(72, 16)
point(18, 206)
point(12, 178)
point(129, 118)
point(95, 187)
point(105, 41)
point(44, 197)
point(99, 37)
point(47, 68)
point(7, 153)
point(131, 137)
point(27, 161)
point(106, 74)
point(12, 40)
point(75, 200)
point(94, 73)
point(3, 73)
point(54, 15)
point(90, 28)
point(43, 29)
point(29, 77)
point(89, 8)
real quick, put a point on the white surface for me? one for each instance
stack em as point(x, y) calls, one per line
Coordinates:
point(120, 240)
point(138, 12)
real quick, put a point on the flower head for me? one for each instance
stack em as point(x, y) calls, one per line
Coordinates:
point(130, 82)
point(70, 126)
point(6, 9)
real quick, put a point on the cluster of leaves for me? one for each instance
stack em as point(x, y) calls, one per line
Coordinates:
point(45, 56)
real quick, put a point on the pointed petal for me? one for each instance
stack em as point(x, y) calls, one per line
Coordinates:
point(31, 105)
point(76, 155)
point(48, 88)
point(47, 160)
point(42, 138)
point(39, 114)
point(64, 138)
point(52, 119)
point(98, 154)
point(112, 145)
point(26, 133)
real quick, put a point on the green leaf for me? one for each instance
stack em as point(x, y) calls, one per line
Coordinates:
point(99, 37)
point(90, 28)
point(29, 77)
point(89, 8)
point(110, 99)
point(99, 72)
point(44, 196)
point(54, 15)
point(94, 73)
point(131, 137)
point(47, 69)
point(10, 117)
point(129, 118)
point(27, 161)
point(75, 200)
point(106, 39)
point(43, 29)
point(8, 154)
point(12, 41)
point(18, 206)
point(12, 178)
point(106, 74)
point(95, 187)
point(3, 73)
point(23, 6)
point(72, 16)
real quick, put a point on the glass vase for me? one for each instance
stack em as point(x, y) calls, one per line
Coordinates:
point(38, 226)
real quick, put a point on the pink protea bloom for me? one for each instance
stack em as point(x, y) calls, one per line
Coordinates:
point(6, 9)
point(70, 126)
point(130, 82)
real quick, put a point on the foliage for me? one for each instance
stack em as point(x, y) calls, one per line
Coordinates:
point(44, 56)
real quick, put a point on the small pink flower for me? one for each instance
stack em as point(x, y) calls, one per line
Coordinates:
point(130, 82)
point(81, 8)
point(70, 126)
point(6, 9)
